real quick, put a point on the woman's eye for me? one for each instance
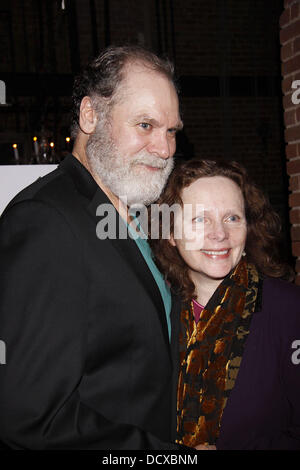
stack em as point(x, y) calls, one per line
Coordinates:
point(233, 218)
point(199, 219)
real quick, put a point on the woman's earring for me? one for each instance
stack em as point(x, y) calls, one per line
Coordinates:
point(244, 253)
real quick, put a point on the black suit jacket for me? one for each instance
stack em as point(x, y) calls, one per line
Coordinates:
point(89, 364)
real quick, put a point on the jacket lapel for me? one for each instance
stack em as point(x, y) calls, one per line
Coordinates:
point(128, 249)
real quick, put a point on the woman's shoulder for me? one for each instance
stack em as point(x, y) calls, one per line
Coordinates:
point(278, 290)
point(281, 300)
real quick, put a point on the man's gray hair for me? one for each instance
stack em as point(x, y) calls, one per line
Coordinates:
point(103, 75)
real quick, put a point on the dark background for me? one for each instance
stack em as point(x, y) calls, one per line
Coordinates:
point(227, 58)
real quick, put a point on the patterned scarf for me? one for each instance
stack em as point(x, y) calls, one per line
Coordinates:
point(211, 353)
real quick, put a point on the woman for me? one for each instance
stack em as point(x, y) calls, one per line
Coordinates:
point(239, 374)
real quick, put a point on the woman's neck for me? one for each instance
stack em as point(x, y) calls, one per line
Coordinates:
point(205, 287)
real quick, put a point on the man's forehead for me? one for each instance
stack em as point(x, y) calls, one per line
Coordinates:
point(138, 76)
point(146, 93)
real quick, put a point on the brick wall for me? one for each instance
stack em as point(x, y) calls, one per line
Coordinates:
point(290, 56)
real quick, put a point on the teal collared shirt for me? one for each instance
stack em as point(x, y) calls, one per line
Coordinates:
point(145, 250)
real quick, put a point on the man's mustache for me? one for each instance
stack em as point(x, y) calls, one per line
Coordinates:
point(155, 162)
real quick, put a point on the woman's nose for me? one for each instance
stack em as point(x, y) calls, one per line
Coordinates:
point(217, 232)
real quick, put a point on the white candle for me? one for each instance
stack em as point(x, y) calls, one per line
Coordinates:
point(52, 148)
point(16, 152)
point(35, 146)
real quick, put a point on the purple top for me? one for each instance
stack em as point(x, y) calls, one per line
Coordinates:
point(263, 409)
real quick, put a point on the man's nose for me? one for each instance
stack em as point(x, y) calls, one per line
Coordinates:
point(161, 146)
point(217, 231)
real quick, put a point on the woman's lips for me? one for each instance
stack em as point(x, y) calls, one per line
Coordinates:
point(216, 254)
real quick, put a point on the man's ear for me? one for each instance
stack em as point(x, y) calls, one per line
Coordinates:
point(87, 116)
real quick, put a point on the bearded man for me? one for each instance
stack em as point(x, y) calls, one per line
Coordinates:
point(87, 322)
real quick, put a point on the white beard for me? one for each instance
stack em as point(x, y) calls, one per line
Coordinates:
point(126, 177)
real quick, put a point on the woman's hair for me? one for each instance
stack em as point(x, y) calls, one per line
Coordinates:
point(263, 224)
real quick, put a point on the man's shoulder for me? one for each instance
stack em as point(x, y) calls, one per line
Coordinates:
point(36, 206)
point(43, 188)
point(60, 187)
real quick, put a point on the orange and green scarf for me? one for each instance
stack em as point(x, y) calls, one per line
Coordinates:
point(211, 353)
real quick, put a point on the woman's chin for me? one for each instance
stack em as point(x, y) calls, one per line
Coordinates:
point(219, 273)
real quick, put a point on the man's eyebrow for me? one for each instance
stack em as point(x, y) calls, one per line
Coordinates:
point(179, 125)
point(146, 118)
